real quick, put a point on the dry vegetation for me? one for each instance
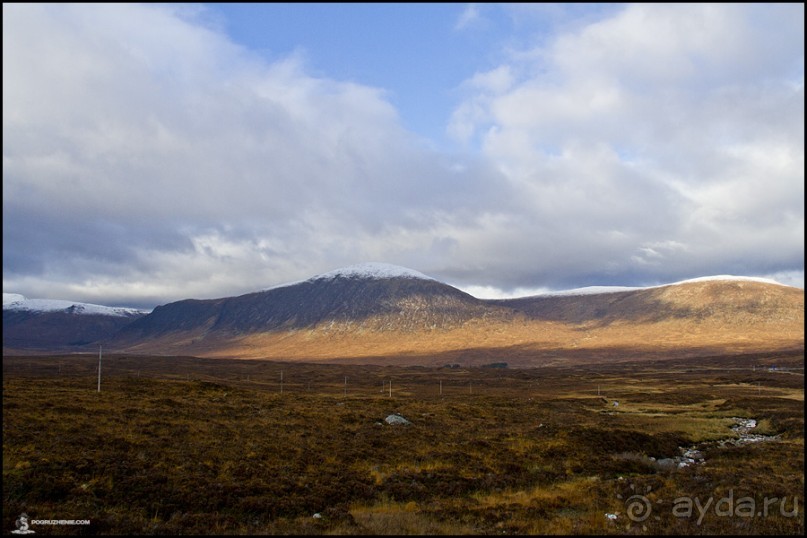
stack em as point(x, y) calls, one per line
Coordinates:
point(178, 445)
point(523, 343)
point(424, 327)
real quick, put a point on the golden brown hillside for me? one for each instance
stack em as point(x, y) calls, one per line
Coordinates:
point(686, 319)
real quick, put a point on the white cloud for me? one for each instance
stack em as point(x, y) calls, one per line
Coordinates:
point(492, 292)
point(653, 143)
point(468, 17)
point(671, 125)
point(180, 153)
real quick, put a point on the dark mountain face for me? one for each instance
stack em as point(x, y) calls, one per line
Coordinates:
point(400, 303)
point(571, 308)
point(186, 315)
point(407, 302)
point(365, 310)
point(24, 329)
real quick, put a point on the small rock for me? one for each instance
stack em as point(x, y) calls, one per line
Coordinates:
point(396, 420)
point(317, 516)
point(693, 453)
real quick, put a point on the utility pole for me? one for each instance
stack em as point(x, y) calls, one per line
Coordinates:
point(99, 368)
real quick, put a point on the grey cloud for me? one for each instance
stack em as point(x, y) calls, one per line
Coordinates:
point(143, 146)
point(647, 129)
point(147, 158)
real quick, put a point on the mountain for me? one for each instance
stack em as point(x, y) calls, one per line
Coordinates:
point(386, 314)
point(726, 299)
point(43, 324)
point(357, 299)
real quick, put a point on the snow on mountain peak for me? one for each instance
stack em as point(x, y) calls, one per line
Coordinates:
point(729, 277)
point(15, 301)
point(372, 270)
point(12, 298)
point(596, 290)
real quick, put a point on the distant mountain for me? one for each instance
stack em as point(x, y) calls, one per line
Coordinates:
point(56, 325)
point(388, 314)
point(728, 299)
point(375, 297)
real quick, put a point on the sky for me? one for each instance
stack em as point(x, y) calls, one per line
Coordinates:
point(158, 152)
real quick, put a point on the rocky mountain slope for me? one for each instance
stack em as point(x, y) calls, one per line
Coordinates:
point(382, 313)
point(372, 298)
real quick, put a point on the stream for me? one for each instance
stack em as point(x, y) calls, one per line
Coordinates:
point(694, 455)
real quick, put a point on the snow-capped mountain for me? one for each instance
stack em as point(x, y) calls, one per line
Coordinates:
point(727, 278)
point(367, 296)
point(372, 270)
point(378, 309)
point(369, 270)
point(726, 297)
point(50, 324)
point(596, 290)
point(15, 301)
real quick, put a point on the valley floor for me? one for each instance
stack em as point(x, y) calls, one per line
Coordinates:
point(182, 445)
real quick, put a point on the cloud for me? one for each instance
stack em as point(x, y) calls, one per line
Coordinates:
point(664, 141)
point(468, 17)
point(141, 167)
point(175, 156)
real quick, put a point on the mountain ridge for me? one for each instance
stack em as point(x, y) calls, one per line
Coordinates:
point(372, 310)
point(15, 301)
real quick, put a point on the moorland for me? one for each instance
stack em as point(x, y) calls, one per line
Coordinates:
point(184, 445)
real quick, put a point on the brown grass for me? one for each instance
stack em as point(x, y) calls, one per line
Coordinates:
point(197, 446)
point(525, 343)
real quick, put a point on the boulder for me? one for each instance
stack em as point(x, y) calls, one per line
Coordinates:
point(396, 420)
